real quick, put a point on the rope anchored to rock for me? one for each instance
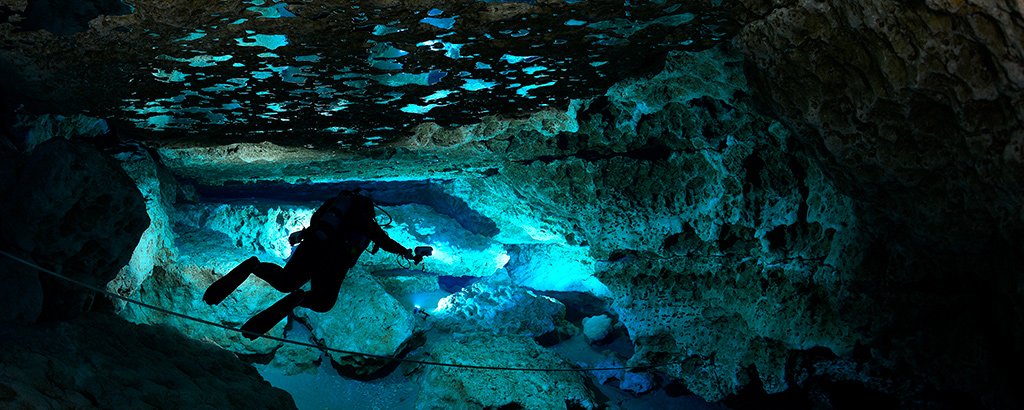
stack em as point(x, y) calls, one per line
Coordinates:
point(317, 347)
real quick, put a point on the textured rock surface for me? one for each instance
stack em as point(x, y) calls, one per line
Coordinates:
point(708, 228)
point(443, 387)
point(699, 208)
point(103, 361)
point(915, 111)
point(292, 359)
point(365, 320)
point(596, 328)
point(388, 67)
point(638, 383)
point(29, 131)
point(156, 247)
point(248, 228)
point(179, 288)
point(83, 224)
point(501, 309)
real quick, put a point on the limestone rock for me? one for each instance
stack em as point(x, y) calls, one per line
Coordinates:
point(246, 227)
point(102, 361)
point(179, 287)
point(445, 387)
point(201, 256)
point(32, 130)
point(633, 382)
point(404, 285)
point(501, 309)
point(597, 328)
point(559, 267)
point(366, 319)
point(156, 247)
point(84, 224)
point(457, 251)
point(292, 359)
point(915, 109)
point(638, 383)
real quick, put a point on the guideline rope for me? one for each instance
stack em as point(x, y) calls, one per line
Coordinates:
point(317, 347)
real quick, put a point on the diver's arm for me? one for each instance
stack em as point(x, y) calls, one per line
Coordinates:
point(381, 239)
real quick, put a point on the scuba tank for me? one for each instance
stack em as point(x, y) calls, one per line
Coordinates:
point(340, 222)
point(332, 220)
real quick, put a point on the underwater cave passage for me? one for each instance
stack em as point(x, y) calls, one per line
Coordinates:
point(510, 204)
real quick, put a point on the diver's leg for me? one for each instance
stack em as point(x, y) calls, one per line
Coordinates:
point(295, 273)
point(267, 319)
point(286, 279)
point(324, 287)
point(220, 289)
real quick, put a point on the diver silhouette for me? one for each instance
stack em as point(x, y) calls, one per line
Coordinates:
point(339, 231)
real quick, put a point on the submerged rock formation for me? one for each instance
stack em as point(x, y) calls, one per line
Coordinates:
point(365, 320)
point(915, 111)
point(102, 361)
point(500, 309)
point(80, 214)
point(75, 211)
point(445, 387)
point(156, 246)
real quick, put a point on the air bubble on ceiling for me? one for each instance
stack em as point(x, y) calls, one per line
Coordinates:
point(293, 72)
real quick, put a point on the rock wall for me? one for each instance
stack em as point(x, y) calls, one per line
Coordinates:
point(76, 212)
point(366, 320)
point(156, 246)
point(915, 111)
point(701, 219)
point(101, 361)
point(71, 208)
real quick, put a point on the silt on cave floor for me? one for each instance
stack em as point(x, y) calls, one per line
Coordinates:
point(795, 204)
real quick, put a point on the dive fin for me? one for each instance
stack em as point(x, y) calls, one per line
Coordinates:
point(223, 287)
point(267, 319)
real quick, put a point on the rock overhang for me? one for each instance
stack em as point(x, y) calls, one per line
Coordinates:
point(328, 72)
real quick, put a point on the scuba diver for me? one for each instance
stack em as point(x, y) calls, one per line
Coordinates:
point(339, 231)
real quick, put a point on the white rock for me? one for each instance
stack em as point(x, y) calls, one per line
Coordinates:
point(597, 328)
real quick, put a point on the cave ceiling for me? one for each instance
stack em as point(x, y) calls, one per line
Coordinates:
point(355, 73)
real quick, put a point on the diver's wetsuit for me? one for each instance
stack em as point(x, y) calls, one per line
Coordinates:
point(327, 253)
point(339, 231)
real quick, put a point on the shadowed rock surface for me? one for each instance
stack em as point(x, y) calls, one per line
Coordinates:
point(102, 361)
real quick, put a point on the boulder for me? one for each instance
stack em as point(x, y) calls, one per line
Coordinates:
point(84, 224)
point(101, 361)
point(179, 287)
point(447, 387)
point(366, 319)
point(500, 309)
point(156, 247)
point(597, 328)
point(293, 359)
point(637, 383)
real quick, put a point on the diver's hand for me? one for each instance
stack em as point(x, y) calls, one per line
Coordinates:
point(295, 238)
